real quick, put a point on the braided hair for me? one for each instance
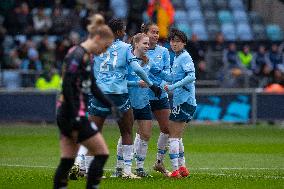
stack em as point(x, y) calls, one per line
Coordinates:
point(116, 25)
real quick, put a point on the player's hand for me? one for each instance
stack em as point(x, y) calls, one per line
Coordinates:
point(157, 90)
point(115, 112)
point(142, 84)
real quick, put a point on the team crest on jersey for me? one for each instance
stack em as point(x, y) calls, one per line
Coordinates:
point(176, 110)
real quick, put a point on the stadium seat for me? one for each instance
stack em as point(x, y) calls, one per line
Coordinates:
point(236, 4)
point(221, 4)
point(181, 16)
point(37, 38)
point(212, 30)
point(178, 4)
point(207, 2)
point(195, 16)
point(65, 11)
point(145, 17)
point(259, 31)
point(192, 4)
point(228, 31)
point(21, 38)
point(11, 79)
point(210, 15)
point(200, 31)
point(185, 28)
point(240, 16)
point(274, 32)
point(255, 18)
point(244, 32)
point(119, 8)
point(225, 16)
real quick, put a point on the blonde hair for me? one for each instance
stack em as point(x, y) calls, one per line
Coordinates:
point(97, 26)
point(136, 39)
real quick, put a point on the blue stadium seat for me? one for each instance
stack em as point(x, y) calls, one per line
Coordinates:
point(255, 18)
point(274, 32)
point(212, 29)
point(244, 32)
point(240, 16)
point(192, 4)
point(210, 15)
point(259, 31)
point(195, 16)
point(200, 31)
point(221, 4)
point(11, 79)
point(228, 31)
point(181, 16)
point(236, 5)
point(185, 28)
point(21, 38)
point(178, 4)
point(207, 2)
point(37, 38)
point(145, 17)
point(225, 16)
point(119, 8)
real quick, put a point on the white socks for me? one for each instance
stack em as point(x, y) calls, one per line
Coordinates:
point(181, 159)
point(136, 143)
point(174, 152)
point(119, 155)
point(80, 159)
point(127, 156)
point(162, 145)
point(140, 149)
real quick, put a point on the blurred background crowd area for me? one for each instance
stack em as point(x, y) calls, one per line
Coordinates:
point(233, 43)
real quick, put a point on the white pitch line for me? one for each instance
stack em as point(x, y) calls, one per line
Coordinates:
point(200, 168)
point(240, 176)
point(238, 168)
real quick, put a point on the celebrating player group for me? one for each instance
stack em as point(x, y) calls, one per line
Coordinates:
point(131, 81)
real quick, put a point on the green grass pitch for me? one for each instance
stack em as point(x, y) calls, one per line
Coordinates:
point(226, 156)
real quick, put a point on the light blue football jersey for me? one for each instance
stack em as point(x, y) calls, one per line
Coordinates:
point(139, 97)
point(183, 66)
point(160, 58)
point(111, 67)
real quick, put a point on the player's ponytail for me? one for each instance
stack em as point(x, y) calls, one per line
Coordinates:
point(97, 26)
point(95, 21)
point(136, 39)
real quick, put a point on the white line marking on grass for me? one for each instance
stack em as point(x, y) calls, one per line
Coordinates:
point(196, 169)
point(37, 166)
point(240, 176)
point(238, 168)
point(27, 166)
